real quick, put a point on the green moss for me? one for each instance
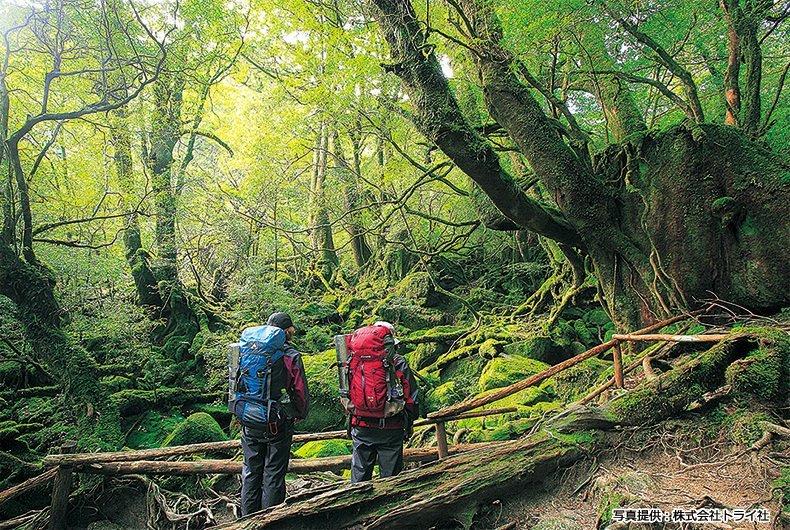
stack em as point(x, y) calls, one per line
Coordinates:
point(678, 387)
point(464, 372)
point(443, 395)
point(584, 332)
point(502, 431)
point(151, 429)
point(322, 378)
point(576, 438)
point(425, 354)
point(503, 371)
point(197, 428)
point(116, 383)
point(322, 448)
point(606, 505)
point(563, 333)
point(597, 317)
point(576, 381)
point(744, 427)
point(782, 483)
point(539, 348)
point(749, 227)
point(349, 304)
point(762, 373)
point(404, 312)
point(419, 288)
point(317, 313)
point(218, 412)
point(490, 348)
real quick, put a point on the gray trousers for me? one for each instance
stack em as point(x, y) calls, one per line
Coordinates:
point(370, 444)
point(265, 465)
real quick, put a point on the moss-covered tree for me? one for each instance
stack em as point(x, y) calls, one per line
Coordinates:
point(667, 217)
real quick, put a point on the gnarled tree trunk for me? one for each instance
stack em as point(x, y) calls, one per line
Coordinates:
point(691, 212)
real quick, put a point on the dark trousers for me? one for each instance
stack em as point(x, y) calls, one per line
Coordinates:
point(265, 465)
point(370, 444)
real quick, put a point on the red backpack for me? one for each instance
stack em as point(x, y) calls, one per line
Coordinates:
point(375, 391)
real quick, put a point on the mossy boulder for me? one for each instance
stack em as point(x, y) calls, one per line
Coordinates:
point(463, 374)
point(218, 412)
point(504, 371)
point(563, 333)
point(503, 430)
point(442, 396)
point(762, 373)
point(325, 410)
point(351, 303)
point(322, 448)
point(575, 382)
point(197, 428)
point(425, 354)
point(490, 348)
point(539, 348)
point(419, 288)
point(406, 313)
point(152, 428)
point(585, 333)
point(116, 383)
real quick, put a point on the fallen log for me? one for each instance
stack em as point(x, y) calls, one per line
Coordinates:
point(225, 446)
point(431, 494)
point(233, 467)
point(502, 393)
point(28, 485)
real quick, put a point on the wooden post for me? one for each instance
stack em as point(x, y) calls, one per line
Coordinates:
point(617, 355)
point(441, 440)
point(61, 490)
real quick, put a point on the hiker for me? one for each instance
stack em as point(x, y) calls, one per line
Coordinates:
point(382, 401)
point(270, 394)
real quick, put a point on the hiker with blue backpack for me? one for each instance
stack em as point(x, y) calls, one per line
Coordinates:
point(379, 392)
point(268, 393)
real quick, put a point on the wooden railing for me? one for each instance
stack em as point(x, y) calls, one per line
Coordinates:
point(148, 461)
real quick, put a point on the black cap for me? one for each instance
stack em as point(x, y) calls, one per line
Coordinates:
point(281, 320)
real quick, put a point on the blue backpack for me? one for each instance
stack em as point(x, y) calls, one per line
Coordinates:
point(260, 349)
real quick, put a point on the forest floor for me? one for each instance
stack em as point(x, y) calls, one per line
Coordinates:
point(667, 466)
point(649, 468)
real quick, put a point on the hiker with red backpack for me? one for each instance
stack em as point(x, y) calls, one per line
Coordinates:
point(379, 392)
point(268, 392)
